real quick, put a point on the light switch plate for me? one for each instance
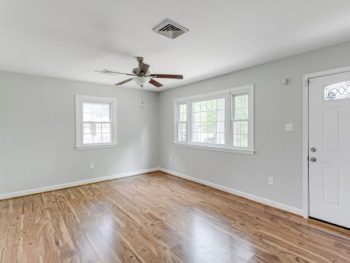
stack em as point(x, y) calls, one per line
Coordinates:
point(288, 127)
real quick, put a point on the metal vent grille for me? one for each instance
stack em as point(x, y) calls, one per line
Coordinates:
point(170, 29)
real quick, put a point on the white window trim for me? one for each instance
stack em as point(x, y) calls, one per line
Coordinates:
point(228, 147)
point(79, 99)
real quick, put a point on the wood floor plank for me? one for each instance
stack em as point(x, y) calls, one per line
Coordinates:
point(156, 217)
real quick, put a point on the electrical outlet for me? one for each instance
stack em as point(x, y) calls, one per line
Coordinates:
point(270, 180)
point(92, 165)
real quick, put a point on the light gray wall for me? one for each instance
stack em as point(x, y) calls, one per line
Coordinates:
point(37, 133)
point(278, 154)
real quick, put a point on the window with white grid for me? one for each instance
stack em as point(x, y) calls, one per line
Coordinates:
point(181, 124)
point(221, 120)
point(96, 121)
point(240, 105)
point(208, 121)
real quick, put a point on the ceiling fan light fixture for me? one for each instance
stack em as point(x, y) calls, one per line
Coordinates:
point(140, 81)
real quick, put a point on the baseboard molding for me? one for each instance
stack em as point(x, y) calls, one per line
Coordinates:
point(75, 183)
point(255, 198)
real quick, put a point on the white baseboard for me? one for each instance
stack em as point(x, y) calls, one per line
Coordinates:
point(262, 200)
point(75, 183)
point(255, 198)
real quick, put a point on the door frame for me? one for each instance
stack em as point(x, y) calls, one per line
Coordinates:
point(306, 78)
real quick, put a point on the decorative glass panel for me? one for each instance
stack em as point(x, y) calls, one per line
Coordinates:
point(337, 91)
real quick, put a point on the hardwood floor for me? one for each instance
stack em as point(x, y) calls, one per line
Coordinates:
point(159, 218)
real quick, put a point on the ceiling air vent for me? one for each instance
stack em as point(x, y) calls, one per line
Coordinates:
point(170, 29)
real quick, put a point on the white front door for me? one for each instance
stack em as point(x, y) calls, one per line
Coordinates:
point(329, 148)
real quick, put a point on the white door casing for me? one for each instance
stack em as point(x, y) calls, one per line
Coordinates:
point(329, 148)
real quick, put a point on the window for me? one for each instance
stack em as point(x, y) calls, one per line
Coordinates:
point(221, 120)
point(181, 123)
point(95, 121)
point(208, 121)
point(240, 119)
point(337, 91)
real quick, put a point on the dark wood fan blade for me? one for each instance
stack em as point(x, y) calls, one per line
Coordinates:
point(110, 72)
point(167, 76)
point(124, 81)
point(155, 83)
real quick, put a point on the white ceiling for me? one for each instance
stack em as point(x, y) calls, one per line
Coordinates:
point(72, 38)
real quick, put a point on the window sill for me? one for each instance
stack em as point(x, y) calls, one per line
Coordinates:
point(215, 148)
point(95, 146)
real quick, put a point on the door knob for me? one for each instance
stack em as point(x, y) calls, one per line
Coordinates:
point(313, 159)
point(313, 149)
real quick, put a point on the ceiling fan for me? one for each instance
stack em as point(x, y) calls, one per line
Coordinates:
point(141, 75)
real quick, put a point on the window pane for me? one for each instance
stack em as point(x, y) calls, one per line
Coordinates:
point(211, 116)
point(106, 128)
point(182, 132)
point(244, 127)
point(208, 120)
point(240, 120)
point(212, 105)
point(87, 116)
point(106, 137)
point(182, 122)
point(221, 138)
point(87, 107)
point(87, 128)
point(244, 140)
point(196, 137)
point(241, 134)
point(196, 106)
point(91, 129)
point(237, 140)
point(96, 133)
point(87, 138)
point(96, 138)
point(96, 112)
point(241, 109)
point(196, 128)
point(183, 108)
point(221, 127)
point(105, 113)
point(183, 117)
point(212, 127)
point(182, 137)
point(220, 115)
point(182, 127)
point(221, 104)
point(197, 117)
point(204, 116)
point(204, 105)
